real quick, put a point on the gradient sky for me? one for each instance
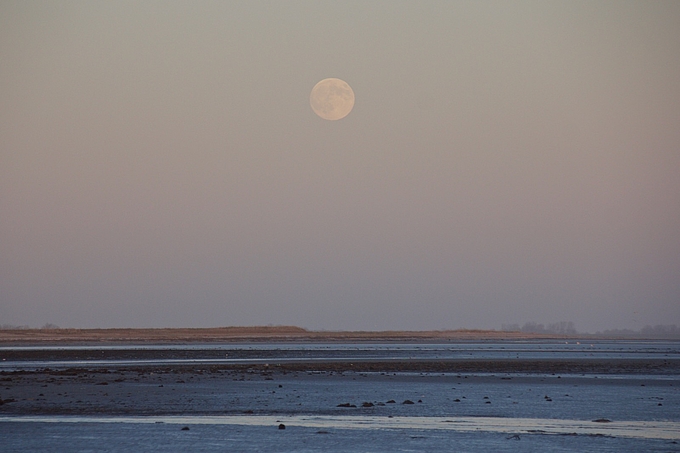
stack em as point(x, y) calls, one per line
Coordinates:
point(505, 162)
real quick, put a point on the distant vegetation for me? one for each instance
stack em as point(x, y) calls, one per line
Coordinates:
point(563, 328)
point(558, 328)
point(15, 327)
point(659, 331)
point(670, 331)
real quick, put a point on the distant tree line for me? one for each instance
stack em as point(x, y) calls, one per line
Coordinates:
point(12, 327)
point(48, 325)
point(557, 328)
point(660, 331)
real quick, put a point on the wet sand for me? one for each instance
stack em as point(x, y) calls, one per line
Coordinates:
point(191, 389)
point(360, 387)
point(103, 389)
point(19, 386)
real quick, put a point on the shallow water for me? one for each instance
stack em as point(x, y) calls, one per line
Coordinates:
point(170, 437)
point(629, 428)
point(146, 409)
point(260, 353)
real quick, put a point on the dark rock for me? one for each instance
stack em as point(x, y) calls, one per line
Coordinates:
point(345, 405)
point(408, 402)
point(248, 412)
point(420, 401)
point(102, 383)
point(367, 404)
point(602, 420)
point(514, 437)
point(391, 402)
point(185, 428)
point(282, 426)
point(456, 400)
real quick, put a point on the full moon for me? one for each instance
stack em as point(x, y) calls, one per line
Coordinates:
point(332, 99)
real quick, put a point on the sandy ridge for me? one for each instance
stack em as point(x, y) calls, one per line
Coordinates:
point(257, 333)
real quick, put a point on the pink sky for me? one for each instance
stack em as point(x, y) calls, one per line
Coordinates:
point(504, 162)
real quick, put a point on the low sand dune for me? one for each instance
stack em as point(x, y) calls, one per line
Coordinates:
point(261, 333)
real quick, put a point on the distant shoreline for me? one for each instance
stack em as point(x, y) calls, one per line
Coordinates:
point(261, 334)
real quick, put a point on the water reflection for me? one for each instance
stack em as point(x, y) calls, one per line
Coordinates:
point(536, 426)
point(233, 353)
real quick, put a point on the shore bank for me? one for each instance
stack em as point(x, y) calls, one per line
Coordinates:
point(254, 334)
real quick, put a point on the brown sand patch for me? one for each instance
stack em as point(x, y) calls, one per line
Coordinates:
point(257, 333)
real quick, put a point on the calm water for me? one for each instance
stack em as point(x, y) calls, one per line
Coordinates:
point(257, 353)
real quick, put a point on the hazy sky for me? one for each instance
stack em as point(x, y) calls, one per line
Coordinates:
point(160, 164)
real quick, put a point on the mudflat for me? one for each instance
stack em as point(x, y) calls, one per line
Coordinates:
point(243, 388)
point(427, 394)
point(94, 371)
